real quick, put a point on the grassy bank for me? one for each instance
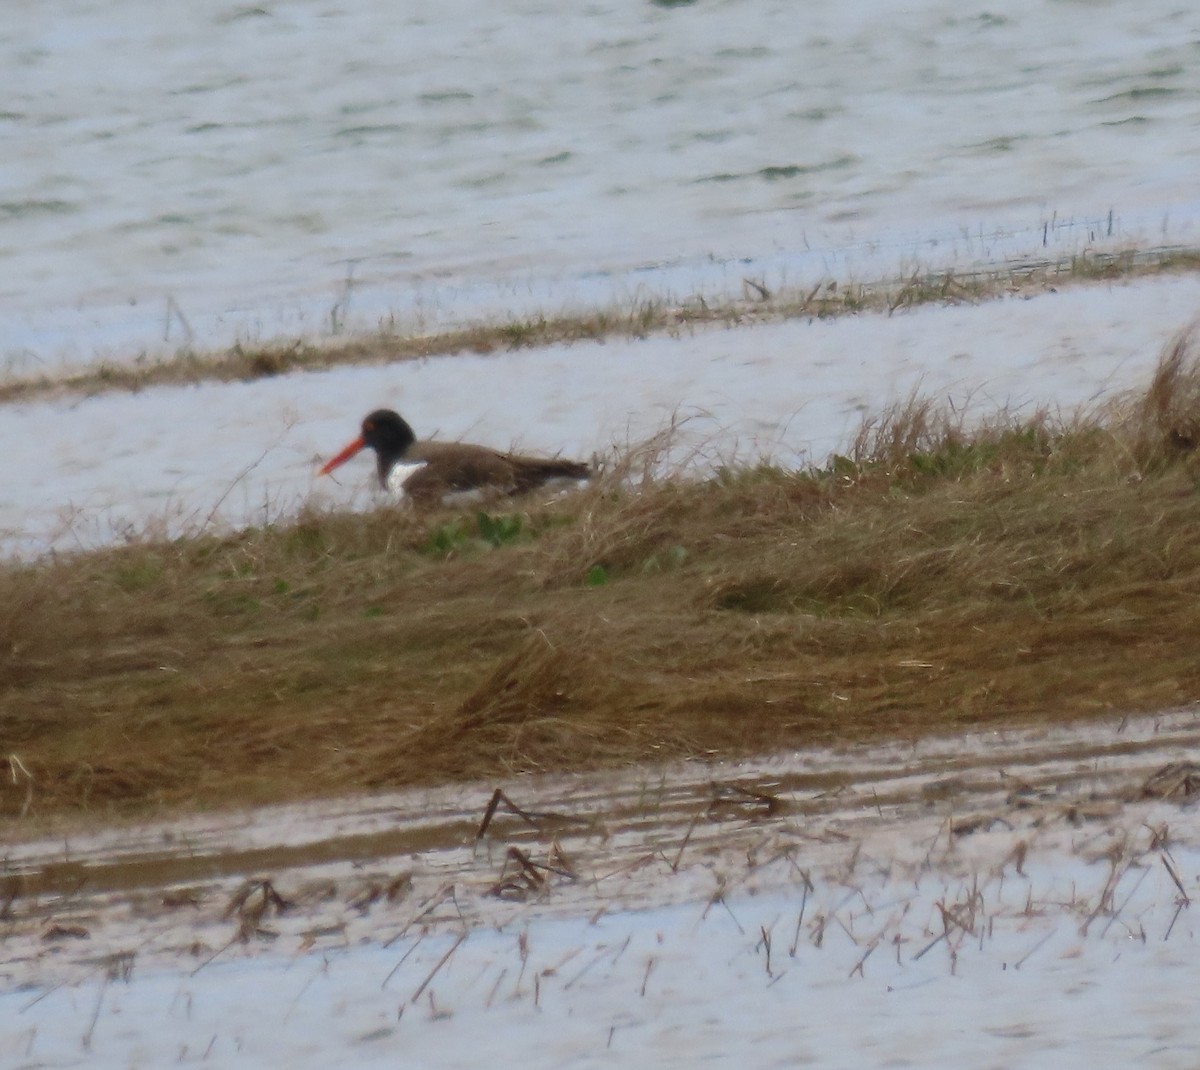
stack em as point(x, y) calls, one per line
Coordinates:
point(934, 578)
point(639, 319)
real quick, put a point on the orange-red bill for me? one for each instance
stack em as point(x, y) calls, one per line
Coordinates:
point(342, 457)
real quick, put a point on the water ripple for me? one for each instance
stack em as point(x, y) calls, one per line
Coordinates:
point(518, 151)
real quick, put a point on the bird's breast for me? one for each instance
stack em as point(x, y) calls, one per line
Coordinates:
point(401, 472)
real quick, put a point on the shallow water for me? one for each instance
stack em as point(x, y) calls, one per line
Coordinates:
point(180, 177)
point(977, 900)
point(630, 833)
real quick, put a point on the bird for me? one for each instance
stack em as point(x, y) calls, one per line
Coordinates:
point(426, 473)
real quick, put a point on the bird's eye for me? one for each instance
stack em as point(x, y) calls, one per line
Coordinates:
point(369, 425)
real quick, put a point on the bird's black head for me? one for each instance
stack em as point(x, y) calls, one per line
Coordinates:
point(387, 433)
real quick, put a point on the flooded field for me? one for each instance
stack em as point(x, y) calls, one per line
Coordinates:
point(1007, 899)
point(285, 169)
point(878, 869)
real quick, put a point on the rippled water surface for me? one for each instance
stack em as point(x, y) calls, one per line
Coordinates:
point(191, 174)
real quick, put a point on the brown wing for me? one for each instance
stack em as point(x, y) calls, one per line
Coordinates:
point(531, 472)
point(456, 466)
point(460, 466)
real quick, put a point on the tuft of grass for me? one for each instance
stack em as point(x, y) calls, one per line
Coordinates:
point(1172, 403)
point(936, 575)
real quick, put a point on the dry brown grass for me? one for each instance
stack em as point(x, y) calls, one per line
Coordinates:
point(936, 578)
point(1172, 405)
point(635, 320)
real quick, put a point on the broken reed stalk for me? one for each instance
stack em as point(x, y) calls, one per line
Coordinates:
point(496, 987)
point(858, 966)
point(687, 836)
point(1036, 947)
point(1186, 900)
point(533, 818)
point(403, 958)
point(530, 876)
point(646, 976)
point(440, 963)
point(1179, 905)
point(800, 918)
point(91, 1029)
point(446, 891)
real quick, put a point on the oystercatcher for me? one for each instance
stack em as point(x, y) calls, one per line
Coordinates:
point(427, 472)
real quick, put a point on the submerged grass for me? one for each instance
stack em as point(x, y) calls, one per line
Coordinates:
point(934, 577)
point(639, 319)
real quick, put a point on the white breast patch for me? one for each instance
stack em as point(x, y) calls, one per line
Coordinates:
point(400, 473)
